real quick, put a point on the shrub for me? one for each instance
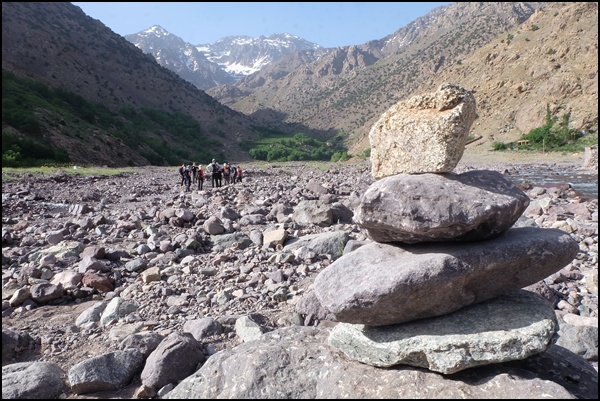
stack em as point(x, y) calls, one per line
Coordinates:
point(21, 119)
point(553, 135)
point(10, 158)
point(21, 151)
point(499, 145)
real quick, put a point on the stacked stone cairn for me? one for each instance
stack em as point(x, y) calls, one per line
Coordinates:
point(441, 285)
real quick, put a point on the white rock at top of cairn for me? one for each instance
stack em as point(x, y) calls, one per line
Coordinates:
point(424, 134)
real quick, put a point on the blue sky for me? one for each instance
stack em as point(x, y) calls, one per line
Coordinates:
point(329, 24)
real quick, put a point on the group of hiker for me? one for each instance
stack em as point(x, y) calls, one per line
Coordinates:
point(194, 174)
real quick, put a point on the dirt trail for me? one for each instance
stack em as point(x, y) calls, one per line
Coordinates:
point(478, 156)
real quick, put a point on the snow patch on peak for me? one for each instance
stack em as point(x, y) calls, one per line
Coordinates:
point(156, 30)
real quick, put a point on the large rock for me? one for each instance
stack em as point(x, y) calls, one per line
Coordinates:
point(176, 357)
point(502, 329)
point(14, 342)
point(382, 284)
point(313, 212)
point(32, 380)
point(424, 134)
point(590, 159)
point(110, 371)
point(63, 250)
point(225, 241)
point(472, 206)
point(579, 334)
point(296, 362)
point(326, 243)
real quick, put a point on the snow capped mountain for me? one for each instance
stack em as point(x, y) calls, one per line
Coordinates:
point(225, 61)
point(175, 54)
point(243, 55)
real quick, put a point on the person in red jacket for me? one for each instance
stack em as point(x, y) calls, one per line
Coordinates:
point(226, 173)
point(239, 174)
point(200, 177)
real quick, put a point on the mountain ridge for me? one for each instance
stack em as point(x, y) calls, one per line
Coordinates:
point(351, 87)
point(222, 62)
point(549, 63)
point(58, 45)
point(323, 92)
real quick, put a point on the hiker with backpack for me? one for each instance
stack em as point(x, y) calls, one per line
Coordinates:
point(181, 173)
point(231, 174)
point(200, 177)
point(194, 173)
point(216, 172)
point(187, 177)
point(226, 173)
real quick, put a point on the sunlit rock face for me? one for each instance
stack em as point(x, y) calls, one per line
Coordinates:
point(424, 134)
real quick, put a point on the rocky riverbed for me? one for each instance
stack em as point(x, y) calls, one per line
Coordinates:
point(214, 257)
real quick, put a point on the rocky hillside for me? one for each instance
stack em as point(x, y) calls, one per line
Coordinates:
point(181, 57)
point(60, 46)
point(219, 63)
point(349, 88)
point(551, 60)
point(518, 57)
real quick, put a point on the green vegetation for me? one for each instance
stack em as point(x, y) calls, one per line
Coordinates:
point(553, 136)
point(499, 145)
point(274, 145)
point(340, 157)
point(27, 152)
point(29, 108)
point(150, 127)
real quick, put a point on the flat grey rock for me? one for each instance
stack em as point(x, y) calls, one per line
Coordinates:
point(506, 328)
point(297, 363)
point(383, 284)
point(413, 208)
